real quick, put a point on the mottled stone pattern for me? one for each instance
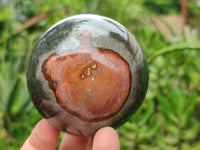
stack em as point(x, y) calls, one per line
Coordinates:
point(87, 72)
point(93, 83)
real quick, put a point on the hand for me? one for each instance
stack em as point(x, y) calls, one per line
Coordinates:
point(45, 137)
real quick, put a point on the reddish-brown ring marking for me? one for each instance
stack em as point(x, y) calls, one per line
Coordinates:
point(93, 84)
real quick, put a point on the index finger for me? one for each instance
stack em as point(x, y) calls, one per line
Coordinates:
point(44, 136)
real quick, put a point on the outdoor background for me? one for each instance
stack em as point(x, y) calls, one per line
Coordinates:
point(168, 31)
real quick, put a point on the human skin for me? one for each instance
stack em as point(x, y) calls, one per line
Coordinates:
point(45, 136)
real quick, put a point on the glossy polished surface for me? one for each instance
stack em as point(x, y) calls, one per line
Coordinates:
point(91, 83)
point(86, 72)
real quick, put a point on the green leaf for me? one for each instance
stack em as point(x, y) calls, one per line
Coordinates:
point(19, 99)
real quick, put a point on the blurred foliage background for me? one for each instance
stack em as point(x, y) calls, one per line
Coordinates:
point(168, 32)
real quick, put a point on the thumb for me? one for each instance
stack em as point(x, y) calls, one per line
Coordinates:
point(43, 137)
point(106, 139)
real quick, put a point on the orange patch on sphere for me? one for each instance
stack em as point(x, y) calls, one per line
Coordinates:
point(92, 84)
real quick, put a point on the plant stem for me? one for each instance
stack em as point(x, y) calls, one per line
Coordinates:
point(184, 11)
point(174, 48)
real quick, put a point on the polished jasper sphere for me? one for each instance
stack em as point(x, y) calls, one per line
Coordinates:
point(87, 72)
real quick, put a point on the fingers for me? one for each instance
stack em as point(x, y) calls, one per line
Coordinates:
point(43, 137)
point(73, 142)
point(106, 139)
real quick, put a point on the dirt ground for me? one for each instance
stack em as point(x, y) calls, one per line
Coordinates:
point(170, 26)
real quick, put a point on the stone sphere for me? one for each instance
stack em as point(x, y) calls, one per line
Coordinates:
point(87, 72)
